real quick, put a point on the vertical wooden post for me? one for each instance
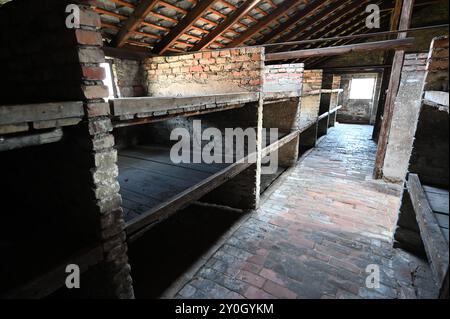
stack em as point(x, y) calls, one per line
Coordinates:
point(394, 83)
point(387, 60)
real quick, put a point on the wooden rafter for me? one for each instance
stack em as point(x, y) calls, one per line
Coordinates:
point(281, 10)
point(184, 25)
point(354, 23)
point(140, 12)
point(233, 18)
point(309, 9)
point(333, 19)
point(340, 29)
point(354, 30)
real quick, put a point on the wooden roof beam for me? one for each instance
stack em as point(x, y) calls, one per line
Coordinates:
point(344, 49)
point(233, 18)
point(264, 22)
point(140, 12)
point(355, 30)
point(329, 24)
point(184, 25)
point(309, 9)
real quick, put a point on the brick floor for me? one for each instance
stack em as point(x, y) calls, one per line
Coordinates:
point(316, 234)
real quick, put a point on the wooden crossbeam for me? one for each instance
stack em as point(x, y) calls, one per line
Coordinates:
point(275, 14)
point(142, 10)
point(233, 18)
point(329, 51)
point(309, 9)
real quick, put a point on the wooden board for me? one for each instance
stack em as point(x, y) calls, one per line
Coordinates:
point(439, 203)
point(153, 187)
point(7, 144)
point(148, 178)
point(12, 114)
point(127, 106)
point(436, 245)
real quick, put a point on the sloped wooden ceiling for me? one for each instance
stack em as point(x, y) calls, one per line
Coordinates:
point(170, 26)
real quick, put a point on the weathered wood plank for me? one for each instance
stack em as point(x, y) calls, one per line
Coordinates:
point(161, 168)
point(126, 106)
point(438, 202)
point(278, 144)
point(442, 220)
point(12, 114)
point(344, 49)
point(14, 128)
point(394, 84)
point(12, 143)
point(140, 225)
point(162, 155)
point(436, 245)
point(438, 97)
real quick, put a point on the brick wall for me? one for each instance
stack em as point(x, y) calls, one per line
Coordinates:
point(437, 65)
point(404, 119)
point(283, 77)
point(225, 71)
point(430, 155)
point(310, 103)
point(415, 62)
point(47, 62)
point(358, 110)
point(129, 77)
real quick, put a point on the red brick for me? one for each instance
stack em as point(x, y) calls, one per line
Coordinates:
point(255, 293)
point(251, 278)
point(278, 291)
point(93, 73)
point(257, 259)
point(95, 91)
point(88, 17)
point(272, 275)
point(87, 37)
point(196, 68)
point(96, 109)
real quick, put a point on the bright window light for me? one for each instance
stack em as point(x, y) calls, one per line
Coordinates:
point(108, 81)
point(362, 89)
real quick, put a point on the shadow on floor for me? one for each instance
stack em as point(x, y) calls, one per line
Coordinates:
point(167, 251)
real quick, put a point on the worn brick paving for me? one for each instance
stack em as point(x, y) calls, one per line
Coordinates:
point(316, 234)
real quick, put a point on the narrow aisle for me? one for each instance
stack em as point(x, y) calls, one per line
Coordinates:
point(317, 233)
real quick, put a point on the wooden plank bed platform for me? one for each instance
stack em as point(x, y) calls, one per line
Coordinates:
point(439, 203)
point(153, 187)
point(431, 210)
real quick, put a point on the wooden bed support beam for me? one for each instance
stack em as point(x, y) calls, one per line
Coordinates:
point(329, 51)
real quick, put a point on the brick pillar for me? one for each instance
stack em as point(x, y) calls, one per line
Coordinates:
point(243, 190)
point(113, 273)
